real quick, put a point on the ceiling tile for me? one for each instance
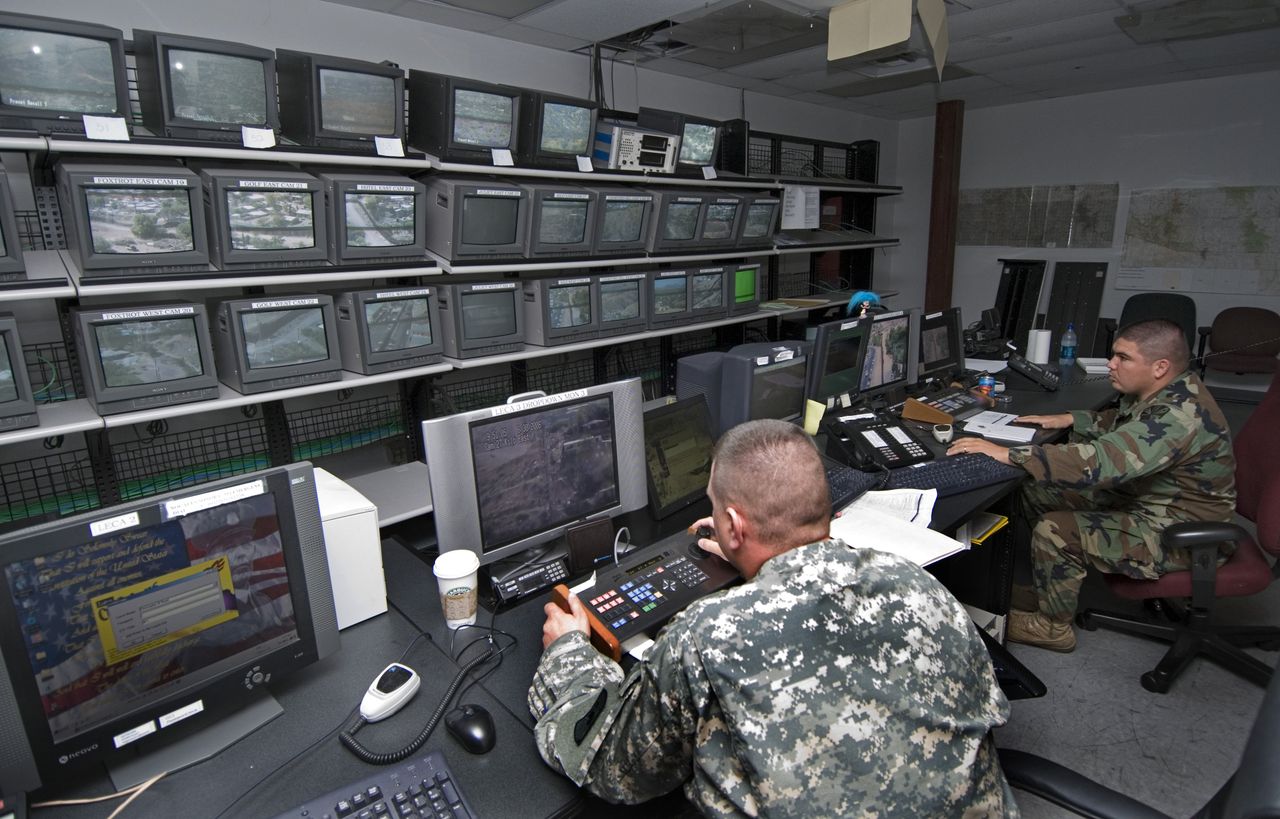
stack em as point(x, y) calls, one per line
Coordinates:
point(598, 20)
point(739, 81)
point(1211, 50)
point(672, 65)
point(747, 31)
point(802, 61)
point(506, 9)
point(535, 36)
point(446, 16)
point(1013, 16)
point(1111, 43)
point(818, 80)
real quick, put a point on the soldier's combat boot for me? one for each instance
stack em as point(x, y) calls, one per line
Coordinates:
point(1034, 629)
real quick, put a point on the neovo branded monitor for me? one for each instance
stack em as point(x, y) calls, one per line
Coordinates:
point(273, 342)
point(482, 318)
point(624, 305)
point(623, 218)
point(561, 309)
point(462, 120)
point(264, 218)
point(555, 130)
point(389, 329)
point(476, 219)
point(374, 218)
point(17, 404)
point(336, 102)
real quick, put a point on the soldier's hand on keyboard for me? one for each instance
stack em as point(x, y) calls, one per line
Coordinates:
point(979, 446)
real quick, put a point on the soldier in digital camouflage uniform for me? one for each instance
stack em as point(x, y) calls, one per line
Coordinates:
point(836, 682)
point(1102, 499)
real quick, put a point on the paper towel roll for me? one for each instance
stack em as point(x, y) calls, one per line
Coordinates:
point(1038, 346)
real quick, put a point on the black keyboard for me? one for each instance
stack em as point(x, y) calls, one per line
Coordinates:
point(954, 474)
point(420, 786)
point(847, 484)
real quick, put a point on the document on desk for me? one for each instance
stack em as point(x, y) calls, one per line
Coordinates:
point(912, 505)
point(871, 529)
point(998, 426)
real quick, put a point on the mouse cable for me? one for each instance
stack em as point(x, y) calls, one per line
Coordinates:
point(501, 651)
point(374, 758)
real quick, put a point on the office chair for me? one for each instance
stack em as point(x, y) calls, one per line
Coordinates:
point(1252, 792)
point(1241, 340)
point(1173, 306)
point(1257, 451)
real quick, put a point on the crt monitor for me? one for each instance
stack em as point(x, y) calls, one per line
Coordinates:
point(763, 380)
point(374, 217)
point(17, 404)
point(482, 318)
point(721, 221)
point(835, 367)
point(941, 344)
point(561, 309)
point(669, 298)
point(335, 102)
point(472, 219)
point(133, 220)
point(890, 361)
point(561, 221)
point(264, 217)
point(197, 88)
point(461, 120)
point(710, 291)
point(748, 284)
point(760, 214)
point(55, 71)
point(676, 220)
point(510, 477)
point(12, 265)
point(623, 216)
point(678, 441)
point(275, 342)
point(624, 306)
point(389, 329)
point(127, 631)
point(138, 357)
point(699, 137)
point(555, 130)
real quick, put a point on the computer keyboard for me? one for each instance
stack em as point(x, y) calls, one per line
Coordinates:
point(847, 484)
point(954, 474)
point(959, 404)
point(419, 787)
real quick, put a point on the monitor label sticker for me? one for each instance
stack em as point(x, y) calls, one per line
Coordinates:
point(273, 184)
point(182, 713)
point(271, 305)
point(497, 192)
point(403, 294)
point(567, 282)
point(385, 188)
point(134, 734)
point(103, 527)
point(251, 137)
point(561, 195)
point(542, 401)
point(846, 325)
point(506, 286)
point(623, 278)
point(137, 181)
point(616, 198)
point(584, 164)
point(388, 146)
point(502, 156)
point(128, 315)
point(109, 128)
point(179, 507)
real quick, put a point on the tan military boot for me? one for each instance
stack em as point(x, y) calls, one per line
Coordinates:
point(1034, 629)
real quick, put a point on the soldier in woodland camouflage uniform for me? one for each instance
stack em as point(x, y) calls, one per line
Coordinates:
point(1102, 499)
point(836, 682)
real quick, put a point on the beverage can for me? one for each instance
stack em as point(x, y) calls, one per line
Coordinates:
point(986, 384)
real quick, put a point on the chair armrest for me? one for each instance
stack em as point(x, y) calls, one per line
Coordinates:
point(1192, 533)
point(1204, 338)
point(1067, 789)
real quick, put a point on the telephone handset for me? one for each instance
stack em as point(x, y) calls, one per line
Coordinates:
point(1046, 378)
point(880, 442)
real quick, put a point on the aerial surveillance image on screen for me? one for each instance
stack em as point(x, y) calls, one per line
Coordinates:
point(278, 338)
point(620, 300)
point(482, 119)
point(708, 290)
point(401, 324)
point(8, 387)
point(355, 103)
point(886, 359)
point(678, 448)
point(758, 219)
point(698, 145)
point(148, 352)
point(682, 221)
point(44, 70)
point(670, 295)
point(139, 220)
point(563, 222)
point(217, 87)
point(719, 221)
point(379, 219)
point(566, 129)
point(489, 315)
point(622, 221)
point(569, 306)
point(191, 593)
point(935, 344)
point(270, 220)
point(542, 468)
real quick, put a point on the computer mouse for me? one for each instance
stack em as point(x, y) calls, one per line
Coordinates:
point(472, 726)
point(943, 433)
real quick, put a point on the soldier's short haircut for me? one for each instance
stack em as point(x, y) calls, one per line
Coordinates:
point(1159, 338)
point(771, 470)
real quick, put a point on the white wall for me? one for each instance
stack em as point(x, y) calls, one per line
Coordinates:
point(1200, 133)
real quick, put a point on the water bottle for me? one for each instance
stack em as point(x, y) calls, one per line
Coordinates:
point(1067, 354)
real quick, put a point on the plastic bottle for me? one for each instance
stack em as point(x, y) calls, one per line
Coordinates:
point(1067, 354)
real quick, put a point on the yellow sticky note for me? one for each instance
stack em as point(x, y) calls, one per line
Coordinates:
point(813, 412)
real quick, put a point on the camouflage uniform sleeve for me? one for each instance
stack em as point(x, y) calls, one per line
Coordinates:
point(625, 740)
point(1087, 425)
point(1143, 446)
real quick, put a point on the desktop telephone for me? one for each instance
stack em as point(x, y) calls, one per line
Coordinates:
point(1046, 378)
point(874, 442)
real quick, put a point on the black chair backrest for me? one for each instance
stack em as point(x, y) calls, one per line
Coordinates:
point(1176, 307)
point(1254, 792)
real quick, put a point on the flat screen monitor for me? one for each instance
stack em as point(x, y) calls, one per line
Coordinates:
point(12, 265)
point(890, 361)
point(264, 218)
point(678, 442)
point(476, 220)
point(623, 217)
point(138, 357)
point(389, 329)
point(374, 218)
point(275, 342)
point(670, 300)
point(941, 344)
point(197, 88)
point(561, 309)
point(624, 305)
point(676, 221)
point(748, 284)
point(760, 213)
point(555, 130)
point(699, 137)
point(461, 120)
point(335, 102)
point(17, 404)
point(720, 221)
point(763, 380)
point(55, 71)
point(133, 221)
point(482, 318)
point(835, 367)
point(128, 631)
point(510, 477)
point(710, 291)
point(562, 221)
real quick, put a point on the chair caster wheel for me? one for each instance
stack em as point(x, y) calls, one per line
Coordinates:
point(1085, 621)
point(1156, 682)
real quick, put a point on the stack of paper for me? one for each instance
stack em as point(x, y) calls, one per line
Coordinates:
point(871, 529)
point(1093, 366)
point(996, 426)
